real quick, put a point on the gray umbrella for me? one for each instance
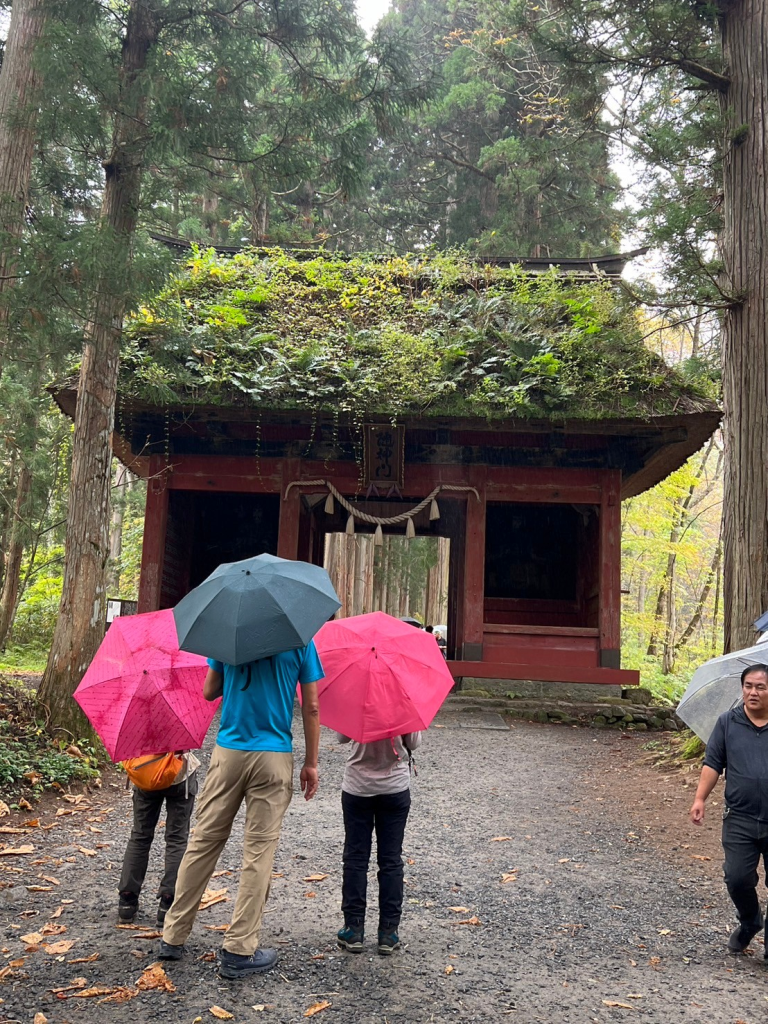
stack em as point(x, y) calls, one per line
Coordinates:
point(255, 608)
point(716, 687)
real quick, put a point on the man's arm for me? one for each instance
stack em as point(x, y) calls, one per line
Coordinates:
point(310, 716)
point(213, 686)
point(707, 782)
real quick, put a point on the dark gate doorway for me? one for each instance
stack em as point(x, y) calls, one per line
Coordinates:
point(206, 529)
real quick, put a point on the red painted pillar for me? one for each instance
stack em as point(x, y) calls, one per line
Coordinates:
point(610, 571)
point(153, 547)
point(290, 511)
point(474, 571)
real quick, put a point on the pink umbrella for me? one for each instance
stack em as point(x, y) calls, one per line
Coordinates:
point(382, 677)
point(141, 693)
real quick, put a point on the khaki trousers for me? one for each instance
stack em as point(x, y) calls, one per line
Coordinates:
point(264, 779)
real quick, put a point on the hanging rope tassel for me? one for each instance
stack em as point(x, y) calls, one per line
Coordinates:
point(351, 525)
point(410, 529)
point(329, 506)
point(378, 537)
point(434, 510)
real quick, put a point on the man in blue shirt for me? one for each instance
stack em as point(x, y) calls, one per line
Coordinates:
point(252, 761)
point(738, 746)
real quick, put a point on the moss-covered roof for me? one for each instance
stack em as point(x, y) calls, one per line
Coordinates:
point(404, 335)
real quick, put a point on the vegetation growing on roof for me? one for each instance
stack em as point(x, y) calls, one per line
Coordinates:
point(434, 334)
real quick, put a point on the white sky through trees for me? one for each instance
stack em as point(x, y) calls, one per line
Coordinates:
point(370, 11)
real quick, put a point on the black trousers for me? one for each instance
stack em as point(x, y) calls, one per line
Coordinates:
point(745, 841)
point(147, 805)
point(387, 813)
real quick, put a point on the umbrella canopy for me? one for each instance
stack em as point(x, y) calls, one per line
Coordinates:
point(255, 608)
point(716, 687)
point(141, 693)
point(382, 677)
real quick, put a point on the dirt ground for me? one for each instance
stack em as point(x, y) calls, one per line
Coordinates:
point(613, 907)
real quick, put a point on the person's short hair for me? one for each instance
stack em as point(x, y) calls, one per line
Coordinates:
point(754, 668)
point(429, 629)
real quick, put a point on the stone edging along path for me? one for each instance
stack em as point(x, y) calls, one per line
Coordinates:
point(612, 712)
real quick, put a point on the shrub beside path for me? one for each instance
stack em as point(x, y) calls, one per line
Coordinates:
point(551, 876)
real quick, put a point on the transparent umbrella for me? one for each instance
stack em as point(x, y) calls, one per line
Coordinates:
point(716, 687)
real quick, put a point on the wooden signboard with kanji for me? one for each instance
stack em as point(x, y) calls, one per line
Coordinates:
point(384, 455)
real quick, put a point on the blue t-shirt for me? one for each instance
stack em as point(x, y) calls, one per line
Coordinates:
point(257, 708)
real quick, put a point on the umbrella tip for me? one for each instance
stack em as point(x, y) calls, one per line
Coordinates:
point(247, 572)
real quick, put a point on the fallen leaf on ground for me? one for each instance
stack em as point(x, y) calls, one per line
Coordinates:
point(61, 811)
point(54, 948)
point(88, 853)
point(449, 969)
point(470, 920)
point(13, 851)
point(221, 1013)
point(32, 938)
point(85, 959)
point(9, 973)
point(316, 1008)
point(664, 931)
point(501, 839)
point(217, 927)
point(278, 874)
point(622, 1006)
point(51, 879)
point(218, 874)
point(564, 860)
point(211, 896)
point(5, 810)
point(314, 878)
point(698, 856)
point(310, 895)
point(155, 977)
point(79, 799)
point(635, 995)
point(17, 963)
point(509, 876)
point(10, 830)
point(459, 910)
point(266, 1006)
point(148, 935)
point(76, 983)
point(208, 958)
point(57, 912)
point(132, 927)
point(24, 804)
point(53, 929)
point(120, 994)
point(39, 888)
point(40, 1018)
point(74, 751)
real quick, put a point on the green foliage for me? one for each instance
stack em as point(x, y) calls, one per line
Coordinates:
point(436, 334)
point(29, 761)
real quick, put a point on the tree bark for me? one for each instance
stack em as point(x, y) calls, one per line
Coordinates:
point(745, 323)
point(19, 85)
point(82, 613)
point(14, 555)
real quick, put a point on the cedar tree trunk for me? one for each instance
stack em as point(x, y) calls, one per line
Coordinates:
point(14, 555)
point(19, 82)
point(80, 626)
point(745, 334)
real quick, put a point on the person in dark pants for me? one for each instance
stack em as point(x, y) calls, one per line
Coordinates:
point(179, 799)
point(375, 796)
point(739, 747)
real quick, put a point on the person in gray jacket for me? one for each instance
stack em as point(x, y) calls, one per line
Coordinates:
point(738, 746)
point(375, 794)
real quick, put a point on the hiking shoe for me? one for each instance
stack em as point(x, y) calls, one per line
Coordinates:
point(351, 939)
point(163, 907)
point(128, 906)
point(165, 951)
point(741, 937)
point(235, 965)
point(388, 942)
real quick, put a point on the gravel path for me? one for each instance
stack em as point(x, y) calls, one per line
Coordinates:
point(609, 903)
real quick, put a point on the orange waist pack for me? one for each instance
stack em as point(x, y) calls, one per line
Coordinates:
point(153, 771)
